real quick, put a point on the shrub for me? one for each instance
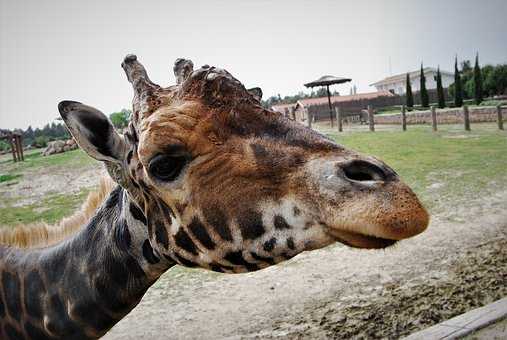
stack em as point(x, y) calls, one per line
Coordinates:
point(41, 141)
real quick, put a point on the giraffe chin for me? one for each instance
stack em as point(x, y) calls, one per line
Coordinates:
point(361, 241)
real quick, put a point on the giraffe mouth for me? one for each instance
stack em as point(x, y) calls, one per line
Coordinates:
point(357, 240)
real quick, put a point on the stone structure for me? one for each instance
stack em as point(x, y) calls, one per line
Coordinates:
point(444, 116)
point(59, 146)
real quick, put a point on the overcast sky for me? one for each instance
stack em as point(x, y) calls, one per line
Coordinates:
point(55, 50)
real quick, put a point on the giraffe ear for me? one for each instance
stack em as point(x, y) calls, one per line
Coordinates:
point(93, 131)
point(256, 92)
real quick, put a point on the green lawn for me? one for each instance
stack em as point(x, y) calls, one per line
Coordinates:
point(34, 160)
point(50, 210)
point(8, 177)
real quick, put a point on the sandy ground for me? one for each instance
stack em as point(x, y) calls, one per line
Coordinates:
point(37, 183)
point(339, 292)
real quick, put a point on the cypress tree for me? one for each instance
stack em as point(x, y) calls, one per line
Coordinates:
point(477, 81)
point(440, 90)
point(458, 88)
point(425, 102)
point(410, 98)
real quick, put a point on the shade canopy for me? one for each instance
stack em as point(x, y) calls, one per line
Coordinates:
point(327, 80)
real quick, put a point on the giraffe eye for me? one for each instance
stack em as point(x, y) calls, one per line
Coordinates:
point(165, 167)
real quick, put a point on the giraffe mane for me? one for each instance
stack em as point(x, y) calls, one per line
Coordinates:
point(40, 234)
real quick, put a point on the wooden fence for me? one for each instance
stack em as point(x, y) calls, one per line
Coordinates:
point(15, 141)
point(464, 112)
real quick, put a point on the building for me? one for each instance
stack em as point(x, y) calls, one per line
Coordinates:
point(397, 84)
point(319, 107)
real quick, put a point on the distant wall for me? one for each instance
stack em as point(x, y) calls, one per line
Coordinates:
point(321, 112)
point(445, 116)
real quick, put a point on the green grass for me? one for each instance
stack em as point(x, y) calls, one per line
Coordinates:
point(9, 177)
point(34, 160)
point(51, 209)
point(493, 102)
point(463, 162)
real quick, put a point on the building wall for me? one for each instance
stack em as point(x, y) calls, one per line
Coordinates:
point(321, 112)
point(399, 86)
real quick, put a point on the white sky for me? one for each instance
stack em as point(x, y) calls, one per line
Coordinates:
point(55, 50)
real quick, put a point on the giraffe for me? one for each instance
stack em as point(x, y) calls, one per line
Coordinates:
point(205, 177)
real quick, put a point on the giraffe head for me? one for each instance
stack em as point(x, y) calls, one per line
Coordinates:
point(228, 185)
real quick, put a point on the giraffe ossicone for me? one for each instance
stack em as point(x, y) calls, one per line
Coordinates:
point(206, 178)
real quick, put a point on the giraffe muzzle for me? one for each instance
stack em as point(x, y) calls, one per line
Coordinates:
point(366, 203)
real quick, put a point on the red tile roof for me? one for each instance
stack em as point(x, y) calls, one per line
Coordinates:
point(334, 99)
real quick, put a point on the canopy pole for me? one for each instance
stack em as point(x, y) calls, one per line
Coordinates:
point(329, 102)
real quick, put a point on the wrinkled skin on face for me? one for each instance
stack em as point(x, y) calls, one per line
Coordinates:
point(230, 186)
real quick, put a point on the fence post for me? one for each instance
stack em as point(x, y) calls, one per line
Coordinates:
point(370, 118)
point(499, 116)
point(13, 148)
point(434, 118)
point(339, 118)
point(466, 117)
point(21, 148)
point(404, 117)
point(309, 118)
point(20, 143)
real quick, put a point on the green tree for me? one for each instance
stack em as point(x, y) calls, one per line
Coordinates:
point(440, 90)
point(486, 71)
point(458, 88)
point(410, 97)
point(466, 68)
point(424, 91)
point(28, 136)
point(41, 141)
point(467, 79)
point(4, 146)
point(120, 119)
point(496, 80)
point(477, 81)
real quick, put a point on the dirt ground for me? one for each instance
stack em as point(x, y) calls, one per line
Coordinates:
point(38, 182)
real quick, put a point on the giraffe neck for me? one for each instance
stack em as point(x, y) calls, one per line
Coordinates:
point(81, 287)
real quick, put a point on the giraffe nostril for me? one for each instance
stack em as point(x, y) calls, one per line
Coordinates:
point(359, 170)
